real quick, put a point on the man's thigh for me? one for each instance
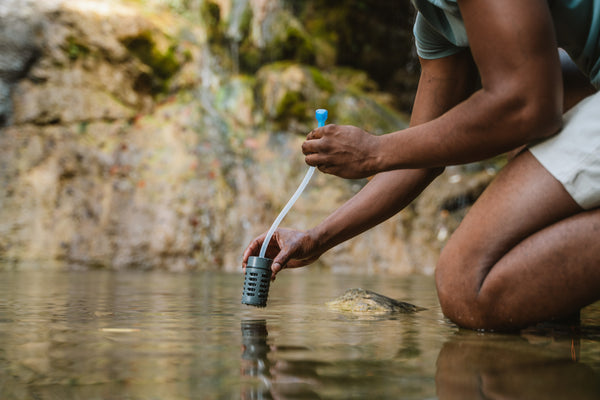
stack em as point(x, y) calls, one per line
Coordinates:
point(524, 199)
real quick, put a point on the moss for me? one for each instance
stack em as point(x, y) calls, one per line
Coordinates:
point(298, 46)
point(75, 49)
point(163, 64)
point(83, 128)
point(320, 81)
point(210, 13)
point(292, 106)
point(250, 57)
point(246, 22)
point(289, 42)
point(294, 44)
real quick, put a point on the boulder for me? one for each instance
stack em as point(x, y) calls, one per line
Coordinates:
point(366, 301)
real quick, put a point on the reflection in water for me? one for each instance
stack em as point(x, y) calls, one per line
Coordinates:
point(254, 359)
point(274, 380)
point(487, 366)
point(139, 336)
point(471, 365)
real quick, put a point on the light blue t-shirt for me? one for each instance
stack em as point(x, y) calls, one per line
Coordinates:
point(439, 31)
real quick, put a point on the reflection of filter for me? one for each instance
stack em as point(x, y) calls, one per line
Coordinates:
point(254, 339)
point(256, 281)
point(255, 362)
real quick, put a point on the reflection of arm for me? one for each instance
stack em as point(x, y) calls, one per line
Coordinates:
point(513, 44)
point(443, 83)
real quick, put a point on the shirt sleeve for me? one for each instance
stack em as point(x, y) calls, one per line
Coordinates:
point(430, 43)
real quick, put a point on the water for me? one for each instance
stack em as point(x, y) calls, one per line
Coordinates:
point(127, 335)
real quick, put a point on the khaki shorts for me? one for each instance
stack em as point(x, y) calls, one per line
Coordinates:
point(573, 155)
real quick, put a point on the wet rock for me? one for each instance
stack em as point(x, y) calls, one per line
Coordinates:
point(366, 301)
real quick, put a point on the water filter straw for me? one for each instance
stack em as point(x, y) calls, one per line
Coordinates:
point(321, 116)
point(258, 269)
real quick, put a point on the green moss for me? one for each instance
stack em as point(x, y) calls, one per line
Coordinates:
point(250, 57)
point(163, 64)
point(75, 49)
point(320, 81)
point(246, 22)
point(294, 44)
point(290, 42)
point(83, 128)
point(211, 15)
point(292, 106)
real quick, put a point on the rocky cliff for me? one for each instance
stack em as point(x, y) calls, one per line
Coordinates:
point(135, 135)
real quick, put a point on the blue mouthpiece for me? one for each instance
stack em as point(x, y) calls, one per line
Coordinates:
point(321, 115)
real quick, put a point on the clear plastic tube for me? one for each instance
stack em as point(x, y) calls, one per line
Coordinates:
point(285, 210)
point(321, 116)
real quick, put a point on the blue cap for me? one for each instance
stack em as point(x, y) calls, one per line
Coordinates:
point(321, 115)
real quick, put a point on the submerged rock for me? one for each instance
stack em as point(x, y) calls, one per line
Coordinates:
point(365, 301)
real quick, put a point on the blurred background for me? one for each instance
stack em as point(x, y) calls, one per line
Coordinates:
point(165, 134)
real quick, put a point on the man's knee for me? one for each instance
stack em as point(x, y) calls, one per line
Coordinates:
point(458, 287)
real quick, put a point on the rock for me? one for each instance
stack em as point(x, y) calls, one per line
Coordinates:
point(130, 142)
point(365, 301)
point(18, 50)
point(286, 90)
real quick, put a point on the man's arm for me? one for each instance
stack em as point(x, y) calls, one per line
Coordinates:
point(513, 45)
point(443, 84)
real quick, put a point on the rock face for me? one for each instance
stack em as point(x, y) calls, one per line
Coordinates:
point(74, 157)
point(367, 301)
point(134, 138)
point(18, 48)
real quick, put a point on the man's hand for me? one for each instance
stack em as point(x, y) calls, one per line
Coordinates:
point(343, 150)
point(288, 248)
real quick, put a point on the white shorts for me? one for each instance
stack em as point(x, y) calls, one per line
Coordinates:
point(573, 155)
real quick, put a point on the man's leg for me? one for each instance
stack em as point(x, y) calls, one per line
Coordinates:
point(526, 252)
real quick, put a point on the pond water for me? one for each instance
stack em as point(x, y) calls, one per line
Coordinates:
point(152, 335)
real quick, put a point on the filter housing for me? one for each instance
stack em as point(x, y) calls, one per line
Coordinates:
point(257, 281)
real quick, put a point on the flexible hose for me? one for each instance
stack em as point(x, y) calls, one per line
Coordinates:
point(321, 116)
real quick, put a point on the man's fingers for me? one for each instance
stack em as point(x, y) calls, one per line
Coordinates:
point(278, 264)
point(311, 159)
point(280, 261)
point(324, 168)
point(311, 146)
point(315, 133)
point(252, 249)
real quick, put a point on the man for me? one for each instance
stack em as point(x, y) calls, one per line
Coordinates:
point(491, 81)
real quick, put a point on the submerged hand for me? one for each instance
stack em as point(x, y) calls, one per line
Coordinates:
point(343, 150)
point(288, 248)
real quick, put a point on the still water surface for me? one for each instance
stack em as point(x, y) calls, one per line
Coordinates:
point(135, 335)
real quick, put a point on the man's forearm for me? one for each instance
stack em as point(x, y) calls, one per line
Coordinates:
point(385, 195)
